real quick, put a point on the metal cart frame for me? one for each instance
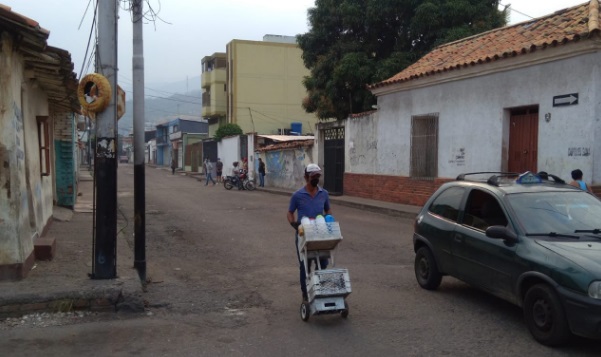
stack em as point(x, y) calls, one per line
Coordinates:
point(327, 289)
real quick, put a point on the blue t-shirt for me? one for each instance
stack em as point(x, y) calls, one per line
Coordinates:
point(308, 206)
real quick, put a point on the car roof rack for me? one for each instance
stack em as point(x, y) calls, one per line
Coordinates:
point(496, 176)
point(462, 177)
point(493, 180)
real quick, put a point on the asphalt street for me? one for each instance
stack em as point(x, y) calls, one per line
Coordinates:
point(223, 281)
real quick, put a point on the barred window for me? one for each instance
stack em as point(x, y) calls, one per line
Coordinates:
point(424, 146)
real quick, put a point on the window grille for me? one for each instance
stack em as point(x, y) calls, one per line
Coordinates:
point(334, 134)
point(424, 146)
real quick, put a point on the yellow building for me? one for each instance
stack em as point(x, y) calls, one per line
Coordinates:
point(213, 85)
point(263, 87)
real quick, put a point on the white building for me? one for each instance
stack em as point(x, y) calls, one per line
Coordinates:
point(521, 98)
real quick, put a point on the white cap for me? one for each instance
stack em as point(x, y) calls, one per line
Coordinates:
point(313, 169)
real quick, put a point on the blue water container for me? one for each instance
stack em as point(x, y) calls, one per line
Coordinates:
point(296, 128)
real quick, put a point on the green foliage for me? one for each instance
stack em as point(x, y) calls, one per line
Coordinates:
point(354, 43)
point(229, 129)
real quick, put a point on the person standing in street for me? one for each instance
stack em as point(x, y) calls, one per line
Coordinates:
point(209, 172)
point(173, 165)
point(261, 173)
point(219, 166)
point(309, 201)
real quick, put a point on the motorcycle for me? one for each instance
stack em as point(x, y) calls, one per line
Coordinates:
point(245, 183)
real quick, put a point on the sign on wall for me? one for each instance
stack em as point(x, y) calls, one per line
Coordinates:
point(565, 99)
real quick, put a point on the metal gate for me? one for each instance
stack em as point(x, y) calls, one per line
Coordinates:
point(523, 141)
point(209, 150)
point(333, 166)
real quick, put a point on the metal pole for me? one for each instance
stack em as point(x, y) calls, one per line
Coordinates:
point(104, 265)
point(139, 152)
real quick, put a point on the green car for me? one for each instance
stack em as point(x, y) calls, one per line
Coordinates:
point(531, 241)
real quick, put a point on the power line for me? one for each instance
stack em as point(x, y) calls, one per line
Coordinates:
point(514, 10)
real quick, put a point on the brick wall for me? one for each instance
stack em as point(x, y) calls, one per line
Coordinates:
point(395, 189)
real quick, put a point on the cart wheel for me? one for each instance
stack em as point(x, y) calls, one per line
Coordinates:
point(344, 313)
point(305, 311)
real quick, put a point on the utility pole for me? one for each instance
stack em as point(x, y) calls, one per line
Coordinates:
point(104, 265)
point(139, 153)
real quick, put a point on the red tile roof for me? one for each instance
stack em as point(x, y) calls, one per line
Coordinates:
point(52, 67)
point(561, 27)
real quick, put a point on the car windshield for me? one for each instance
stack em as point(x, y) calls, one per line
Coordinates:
point(558, 212)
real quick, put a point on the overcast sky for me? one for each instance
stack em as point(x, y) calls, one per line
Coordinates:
point(192, 29)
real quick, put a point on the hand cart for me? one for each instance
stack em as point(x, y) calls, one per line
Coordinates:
point(326, 288)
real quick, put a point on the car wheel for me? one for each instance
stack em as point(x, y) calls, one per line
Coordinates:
point(426, 270)
point(545, 316)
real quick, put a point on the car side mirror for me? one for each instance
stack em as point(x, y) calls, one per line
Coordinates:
point(501, 232)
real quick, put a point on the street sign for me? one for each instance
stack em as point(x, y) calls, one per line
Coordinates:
point(565, 99)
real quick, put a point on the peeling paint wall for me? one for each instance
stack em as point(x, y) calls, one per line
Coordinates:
point(26, 198)
point(286, 168)
point(15, 231)
point(361, 142)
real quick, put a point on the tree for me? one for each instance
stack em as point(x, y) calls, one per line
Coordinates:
point(354, 43)
point(229, 129)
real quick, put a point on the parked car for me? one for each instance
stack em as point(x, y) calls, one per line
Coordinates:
point(531, 241)
point(123, 159)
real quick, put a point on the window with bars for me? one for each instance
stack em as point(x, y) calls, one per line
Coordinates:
point(424, 146)
point(44, 144)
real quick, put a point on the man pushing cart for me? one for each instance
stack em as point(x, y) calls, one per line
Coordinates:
point(323, 290)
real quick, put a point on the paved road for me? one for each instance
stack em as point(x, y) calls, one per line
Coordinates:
point(223, 280)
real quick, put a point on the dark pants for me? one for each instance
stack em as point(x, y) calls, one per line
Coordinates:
point(261, 180)
point(303, 274)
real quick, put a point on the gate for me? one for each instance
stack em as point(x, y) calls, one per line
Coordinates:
point(333, 167)
point(523, 141)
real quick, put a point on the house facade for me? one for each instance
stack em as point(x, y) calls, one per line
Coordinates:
point(172, 137)
point(38, 141)
point(520, 98)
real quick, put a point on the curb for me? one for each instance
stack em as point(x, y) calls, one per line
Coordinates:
point(107, 299)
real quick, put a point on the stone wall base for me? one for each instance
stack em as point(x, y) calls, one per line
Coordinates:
point(17, 271)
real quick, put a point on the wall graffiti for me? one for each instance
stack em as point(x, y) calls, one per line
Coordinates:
point(579, 151)
point(458, 157)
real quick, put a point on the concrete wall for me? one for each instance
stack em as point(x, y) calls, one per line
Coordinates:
point(26, 198)
point(361, 141)
point(228, 150)
point(474, 117)
point(285, 168)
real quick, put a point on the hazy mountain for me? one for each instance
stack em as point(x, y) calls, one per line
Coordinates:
point(164, 101)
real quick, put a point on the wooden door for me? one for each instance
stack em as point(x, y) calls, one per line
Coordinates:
point(523, 143)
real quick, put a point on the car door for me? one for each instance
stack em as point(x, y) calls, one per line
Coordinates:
point(437, 225)
point(479, 260)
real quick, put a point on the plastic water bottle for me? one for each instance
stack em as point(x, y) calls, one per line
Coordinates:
point(329, 219)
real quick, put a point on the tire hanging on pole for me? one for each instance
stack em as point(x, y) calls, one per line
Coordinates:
point(94, 92)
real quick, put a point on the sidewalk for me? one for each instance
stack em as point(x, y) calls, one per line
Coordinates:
point(62, 284)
